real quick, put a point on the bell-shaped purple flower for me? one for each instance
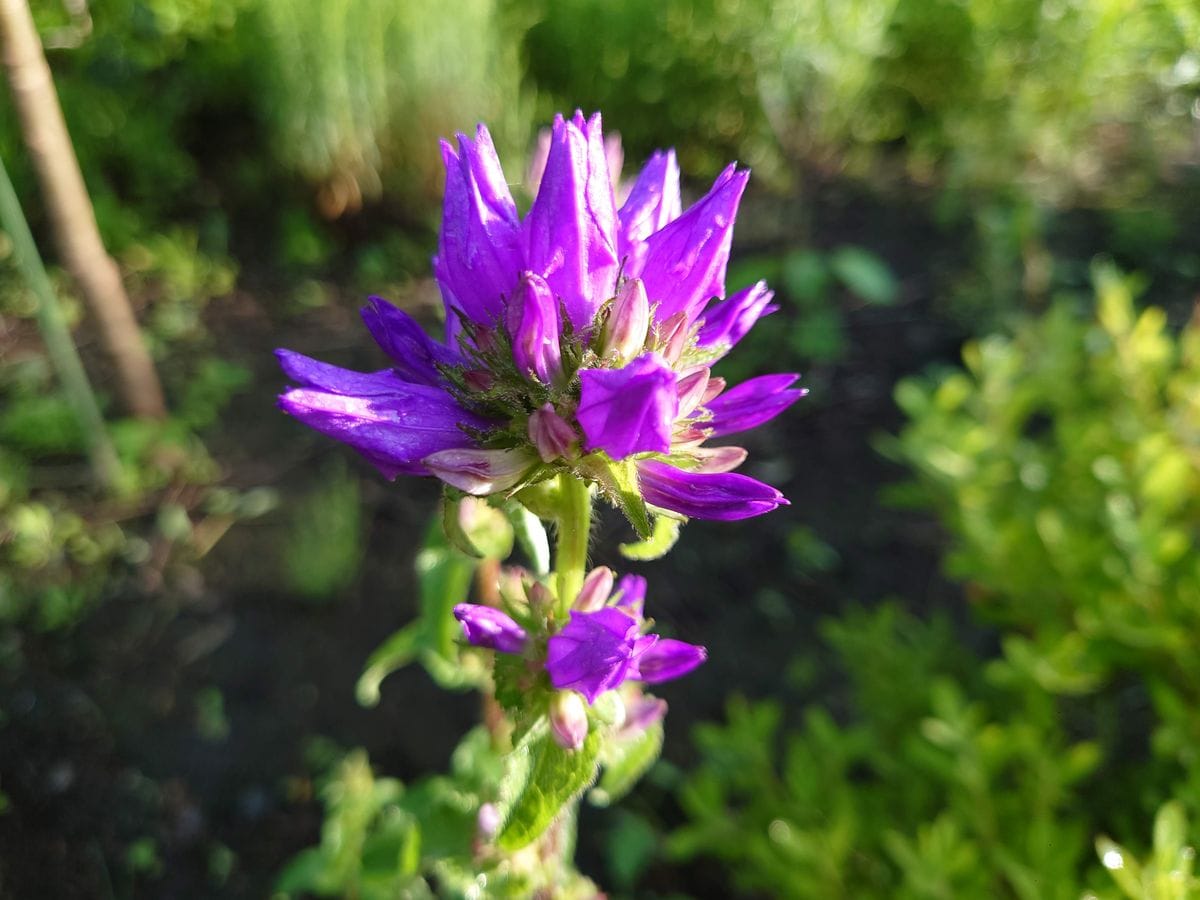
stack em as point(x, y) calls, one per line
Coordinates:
point(532, 320)
point(653, 203)
point(570, 232)
point(631, 591)
point(668, 659)
point(393, 423)
point(684, 264)
point(594, 652)
point(629, 410)
point(726, 322)
point(485, 626)
point(697, 495)
point(752, 403)
point(479, 249)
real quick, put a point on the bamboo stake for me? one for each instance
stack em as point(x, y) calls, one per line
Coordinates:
point(57, 336)
point(71, 213)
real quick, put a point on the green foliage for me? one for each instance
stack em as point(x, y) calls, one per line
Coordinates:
point(325, 543)
point(1167, 874)
point(1065, 463)
point(541, 779)
point(380, 80)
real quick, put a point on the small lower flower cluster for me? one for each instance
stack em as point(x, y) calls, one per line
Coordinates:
point(603, 645)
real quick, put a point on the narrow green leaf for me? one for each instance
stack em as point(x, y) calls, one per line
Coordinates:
point(624, 763)
point(666, 533)
point(395, 653)
point(548, 778)
point(531, 535)
point(865, 274)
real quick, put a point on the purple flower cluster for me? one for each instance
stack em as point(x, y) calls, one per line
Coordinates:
point(582, 332)
point(600, 648)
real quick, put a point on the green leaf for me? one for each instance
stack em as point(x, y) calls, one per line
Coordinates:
point(395, 653)
point(542, 780)
point(444, 579)
point(666, 533)
point(865, 275)
point(624, 763)
point(531, 535)
point(618, 481)
point(1122, 866)
point(476, 528)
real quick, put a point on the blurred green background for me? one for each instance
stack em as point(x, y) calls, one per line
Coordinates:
point(964, 660)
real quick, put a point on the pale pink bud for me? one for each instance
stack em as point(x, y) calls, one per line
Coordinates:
point(628, 321)
point(718, 459)
point(596, 588)
point(540, 597)
point(551, 434)
point(487, 822)
point(479, 472)
point(568, 720)
point(691, 388)
point(673, 332)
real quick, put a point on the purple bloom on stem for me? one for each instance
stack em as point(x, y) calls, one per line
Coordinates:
point(684, 263)
point(697, 495)
point(594, 652)
point(632, 594)
point(570, 232)
point(479, 250)
point(487, 627)
point(752, 403)
point(668, 659)
point(727, 322)
point(652, 204)
point(532, 319)
point(629, 410)
point(550, 284)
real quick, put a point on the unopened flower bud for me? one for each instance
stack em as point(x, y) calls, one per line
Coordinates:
point(632, 597)
point(674, 335)
point(487, 627)
point(532, 319)
point(643, 713)
point(596, 588)
point(479, 380)
point(487, 822)
point(479, 472)
point(540, 598)
point(692, 387)
point(551, 435)
point(568, 720)
point(511, 584)
point(628, 321)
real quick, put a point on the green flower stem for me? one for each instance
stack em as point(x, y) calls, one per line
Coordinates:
point(574, 529)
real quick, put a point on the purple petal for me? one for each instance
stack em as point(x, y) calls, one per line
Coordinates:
point(751, 403)
point(593, 653)
point(629, 410)
point(653, 203)
point(416, 355)
point(669, 659)
point(570, 232)
point(479, 249)
point(684, 264)
point(632, 590)
point(643, 713)
point(490, 628)
point(394, 429)
point(724, 496)
point(728, 321)
point(532, 319)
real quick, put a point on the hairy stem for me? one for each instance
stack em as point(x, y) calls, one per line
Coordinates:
point(574, 529)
